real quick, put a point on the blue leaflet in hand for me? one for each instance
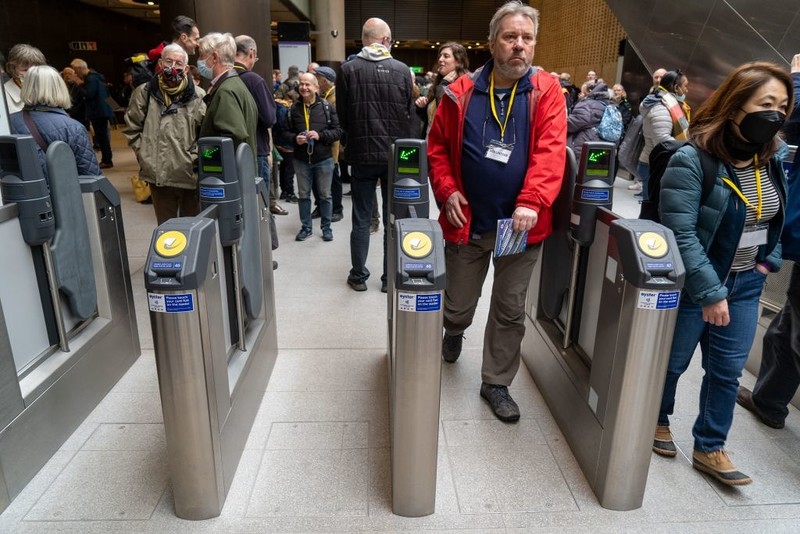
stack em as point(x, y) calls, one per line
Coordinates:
point(508, 241)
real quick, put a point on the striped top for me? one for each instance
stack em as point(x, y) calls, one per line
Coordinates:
point(745, 258)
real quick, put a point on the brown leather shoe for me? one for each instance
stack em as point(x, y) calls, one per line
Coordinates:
point(278, 210)
point(718, 465)
point(663, 444)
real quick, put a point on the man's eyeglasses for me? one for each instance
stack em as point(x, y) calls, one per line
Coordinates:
point(388, 41)
point(173, 63)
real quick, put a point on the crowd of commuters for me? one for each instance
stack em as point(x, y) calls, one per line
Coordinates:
point(497, 144)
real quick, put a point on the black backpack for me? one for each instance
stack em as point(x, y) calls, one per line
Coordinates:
point(659, 159)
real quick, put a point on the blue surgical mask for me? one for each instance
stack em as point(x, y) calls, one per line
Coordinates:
point(680, 98)
point(205, 71)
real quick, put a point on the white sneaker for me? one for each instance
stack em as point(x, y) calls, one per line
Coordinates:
point(635, 186)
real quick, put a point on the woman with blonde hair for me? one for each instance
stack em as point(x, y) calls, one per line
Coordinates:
point(45, 97)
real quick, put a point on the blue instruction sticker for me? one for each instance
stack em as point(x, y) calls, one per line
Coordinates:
point(601, 195)
point(177, 303)
point(410, 266)
point(166, 265)
point(658, 265)
point(212, 192)
point(419, 302)
point(658, 300)
point(407, 193)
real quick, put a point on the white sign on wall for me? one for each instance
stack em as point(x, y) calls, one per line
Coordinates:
point(290, 53)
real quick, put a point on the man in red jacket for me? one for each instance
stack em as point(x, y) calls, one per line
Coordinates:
point(497, 150)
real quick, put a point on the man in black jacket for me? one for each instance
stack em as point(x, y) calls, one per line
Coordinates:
point(376, 78)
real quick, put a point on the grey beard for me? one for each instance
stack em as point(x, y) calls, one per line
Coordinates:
point(512, 73)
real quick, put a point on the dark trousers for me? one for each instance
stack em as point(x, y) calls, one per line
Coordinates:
point(169, 202)
point(364, 180)
point(779, 375)
point(102, 138)
point(287, 173)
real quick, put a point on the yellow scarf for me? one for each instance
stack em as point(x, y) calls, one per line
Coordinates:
point(168, 93)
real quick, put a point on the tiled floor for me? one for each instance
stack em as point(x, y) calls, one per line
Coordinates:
point(318, 459)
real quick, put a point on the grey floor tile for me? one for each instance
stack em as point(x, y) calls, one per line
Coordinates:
point(322, 406)
point(79, 437)
point(295, 436)
point(312, 482)
point(494, 480)
point(127, 437)
point(104, 485)
point(330, 370)
point(142, 376)
point(129, 407)
point(469, 433)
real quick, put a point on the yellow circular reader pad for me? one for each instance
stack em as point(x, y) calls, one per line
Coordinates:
point(417, 244)
point(653, 244)
point(170, 243)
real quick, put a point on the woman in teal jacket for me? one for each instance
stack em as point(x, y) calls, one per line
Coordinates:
point(728, 245)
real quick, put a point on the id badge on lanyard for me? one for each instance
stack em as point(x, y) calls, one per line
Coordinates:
point(754, 236)
point(498, 151)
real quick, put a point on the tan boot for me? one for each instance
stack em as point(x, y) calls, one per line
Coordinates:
point(663, 444)
point(718, 465)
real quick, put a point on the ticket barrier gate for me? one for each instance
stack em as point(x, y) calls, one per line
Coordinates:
point(597, 341)
point(415, 272)
point(67, 322)
point(212, 309)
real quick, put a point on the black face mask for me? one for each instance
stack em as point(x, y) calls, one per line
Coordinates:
point(172, 75)
point(760, 127)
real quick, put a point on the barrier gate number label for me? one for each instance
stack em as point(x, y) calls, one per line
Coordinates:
point(658, 300)
point(419, 302)
point(178, 303)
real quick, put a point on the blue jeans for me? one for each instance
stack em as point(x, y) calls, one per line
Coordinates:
point(724, 349)
point(363, 181)
point(643, 170)
point(307, 174)
point(264, 170)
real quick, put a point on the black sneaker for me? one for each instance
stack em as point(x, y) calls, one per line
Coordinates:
point(451, 347)
point(501, 403)
point(302, 235)
point(274, 265)
point(315, 213)
point(291, 197)
point(357, 286)
point(327, 234)
point(336, 217)
point(744, 398)
point(383, 287)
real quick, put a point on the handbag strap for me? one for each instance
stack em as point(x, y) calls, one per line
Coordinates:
point(26, 116)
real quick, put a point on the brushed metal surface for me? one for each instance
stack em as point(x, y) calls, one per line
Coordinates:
point(606, 406)
point(417, 390)
point(65, 387)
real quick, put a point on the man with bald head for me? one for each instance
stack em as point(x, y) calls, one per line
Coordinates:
point(657, 75)
point(374, 103)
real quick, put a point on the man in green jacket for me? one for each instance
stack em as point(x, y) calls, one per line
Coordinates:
point(231, 109)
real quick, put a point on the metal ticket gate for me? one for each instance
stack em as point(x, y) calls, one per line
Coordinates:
point(67, 322)
point(416, 282)
point(212, 309)
point(597, 340)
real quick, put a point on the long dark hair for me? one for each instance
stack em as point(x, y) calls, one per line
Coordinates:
point(459, 54)
point(713, 117)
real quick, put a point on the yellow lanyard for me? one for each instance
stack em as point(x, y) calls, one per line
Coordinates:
point(305, 114)
point(494, 108)
point(329, 91)
point(758, 190)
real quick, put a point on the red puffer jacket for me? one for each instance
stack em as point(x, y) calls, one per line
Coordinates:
point(546, 158)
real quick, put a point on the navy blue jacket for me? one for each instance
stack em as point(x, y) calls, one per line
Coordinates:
point(318, 120)
point(55, 125)
point(96, 94)
point(265, 104)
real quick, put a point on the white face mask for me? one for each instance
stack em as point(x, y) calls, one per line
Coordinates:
point(680, 98)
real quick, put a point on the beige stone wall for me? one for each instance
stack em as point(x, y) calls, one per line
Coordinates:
point(576, 36)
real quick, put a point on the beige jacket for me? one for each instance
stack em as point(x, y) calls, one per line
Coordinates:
point(165, 145)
